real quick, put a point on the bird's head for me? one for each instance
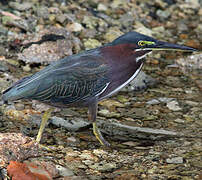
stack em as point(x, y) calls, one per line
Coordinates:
point(141, 42)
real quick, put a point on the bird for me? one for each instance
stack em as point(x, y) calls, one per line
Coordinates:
point(84, 79)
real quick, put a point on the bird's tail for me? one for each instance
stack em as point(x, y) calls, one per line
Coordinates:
point(17, 91)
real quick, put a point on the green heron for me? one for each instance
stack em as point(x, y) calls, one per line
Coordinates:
point(86, 78)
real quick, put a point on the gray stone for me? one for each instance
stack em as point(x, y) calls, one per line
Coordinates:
point(163, 14)
point(3, 66)
point(49, 51)
point(175, 160)
point(71, 125)
point(103, 167)
point(20, 23)
point(165, 99)
point(107, 113)
point(153, 101)
point(190, 63)
point(178, 120)
point(141, 81)
point(63, 171)
point(3, 31)
point(125, 132)
point(61, 18)
point(21, 6)
point(174, 106)
point(43, 12)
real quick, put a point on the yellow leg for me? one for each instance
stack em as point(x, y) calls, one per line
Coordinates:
point(45, 118)
point(99, 136)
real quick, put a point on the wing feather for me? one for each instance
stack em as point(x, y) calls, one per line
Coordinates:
point(86, 78)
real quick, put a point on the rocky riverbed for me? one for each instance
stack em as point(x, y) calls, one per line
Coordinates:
point(154, 124)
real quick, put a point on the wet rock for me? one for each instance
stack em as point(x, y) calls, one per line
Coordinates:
point(19, 106)
point(178, 120)
point(191, 103)
point(200, 116)
point(108, 114)
point(91, 43)
point(153, 101)
point(138, 113)
point(159, 32)
point(112, 34)
point(69, 113)
point(125, 132)
point(159, 100)
point(61, 18)
point(101, 7)
point(26, 68)
point(190, 4)
point(3, 30)
point(122, 99)
point(13, 62)
point(88, 33)
point(103, 167)
point(16, 147)
point(74, 27)
point(161, 3)
point(163, 14)
point(21, 6)
point(3, 66)
point(127, 19)
point(191, 64)
point(49, 51)
point(52, 18)
point(142, 81)
point(182, 27)
point(127, 176)
point(71, 125)
point(20, 23)
point(43, 12)
point(99, 152)
point(174, 106)
point(90, 21)
point(175, 160)
point(165, 99)
point(32, 170)
point(87, 163)
point(3, 173)
point(111, 103)
point(142, 29)
point(117, 3)
point(20, 115)
point(40, 107)
point(88, 155)
point(199, 84)
point(130, 143)
point(63, 171)
point(193, 61)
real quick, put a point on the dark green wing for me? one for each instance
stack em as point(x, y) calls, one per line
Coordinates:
point(72, 80)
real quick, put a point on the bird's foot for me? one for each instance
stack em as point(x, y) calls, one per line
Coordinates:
point(99, 136)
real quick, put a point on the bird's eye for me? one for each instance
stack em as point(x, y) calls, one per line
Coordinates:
point(143, 43)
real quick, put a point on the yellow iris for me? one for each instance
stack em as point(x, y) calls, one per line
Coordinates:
point(143, 43)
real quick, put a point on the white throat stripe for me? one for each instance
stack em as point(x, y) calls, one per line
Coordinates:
point(124, 84)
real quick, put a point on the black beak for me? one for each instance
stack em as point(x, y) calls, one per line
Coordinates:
point(161, 45)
